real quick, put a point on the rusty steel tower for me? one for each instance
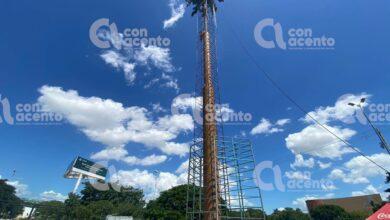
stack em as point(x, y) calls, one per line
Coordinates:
point(220, 172)
point(210, 150)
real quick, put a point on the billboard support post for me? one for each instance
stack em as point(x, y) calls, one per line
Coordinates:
point(77, 183)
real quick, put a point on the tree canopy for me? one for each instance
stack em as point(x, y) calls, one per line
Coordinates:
point(10, 204)
point(288, 214)
point(171, 204)
point(95, 204)
point(329, 212)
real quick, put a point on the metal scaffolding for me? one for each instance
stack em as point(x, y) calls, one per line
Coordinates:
point(220, 173)
point(240, 198)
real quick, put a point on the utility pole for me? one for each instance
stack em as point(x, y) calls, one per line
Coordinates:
point(383, 142)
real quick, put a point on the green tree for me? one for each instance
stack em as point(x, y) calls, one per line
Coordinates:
point(71, 205)
point(359, 215)
point(10, 204)
point(126, 200)
point(100, 209)
point(288, 214)
point(81, 212)
point(171, 204)
point(329, 212)
point(50, 210)
point(115, 194)
point(254, 213)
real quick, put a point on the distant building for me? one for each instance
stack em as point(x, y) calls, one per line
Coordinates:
point(350, 204)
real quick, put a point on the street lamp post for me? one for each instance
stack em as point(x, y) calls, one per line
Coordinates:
point(382, 139)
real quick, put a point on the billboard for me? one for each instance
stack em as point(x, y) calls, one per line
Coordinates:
point(86, 168)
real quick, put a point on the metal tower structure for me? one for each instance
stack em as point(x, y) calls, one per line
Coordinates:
point(220, 173)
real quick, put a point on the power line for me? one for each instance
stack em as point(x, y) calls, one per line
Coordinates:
point(286, 95)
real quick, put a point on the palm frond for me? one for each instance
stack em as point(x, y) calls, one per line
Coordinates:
point(198, 5)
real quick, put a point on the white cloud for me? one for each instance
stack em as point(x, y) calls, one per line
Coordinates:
point(301, 202)
point(339, 174)
point(324, 165)
point(156, 56)
point(111, 153)
point(20, 188)
point(186, 102)
point(316, 141)
point(120, 62)
point(170, 82)
point(110, 123)
point(341, 111)
point(121, 154)
point(151, 56)
point(266, 127)
point(151, 184)
point(370, 189)
point(282, 122)
point(183, 168)
point(147, 161)
point(328, 187)
point(301, 162)
point(151, 83)
point(52, 196)
point(359, 169)
point(177, 12)
point(298, 175)
point(158, 108)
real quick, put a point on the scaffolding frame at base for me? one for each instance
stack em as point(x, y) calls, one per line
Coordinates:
point(239, 196)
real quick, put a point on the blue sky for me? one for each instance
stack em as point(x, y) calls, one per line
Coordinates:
point(47, 43)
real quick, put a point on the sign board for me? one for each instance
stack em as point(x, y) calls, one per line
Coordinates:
point(86, 168)
point(382, 214)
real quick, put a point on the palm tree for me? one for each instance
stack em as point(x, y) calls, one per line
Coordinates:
point(200, 4)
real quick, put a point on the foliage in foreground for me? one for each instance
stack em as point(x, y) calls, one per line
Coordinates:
point(171, 204)
point(10, 204)
point(333, 212)
point(94, 204)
